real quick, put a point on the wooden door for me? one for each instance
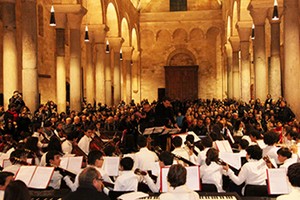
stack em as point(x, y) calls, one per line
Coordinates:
point(182, 82)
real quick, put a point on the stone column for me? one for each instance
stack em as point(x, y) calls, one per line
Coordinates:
point(236, 85)
point(115, 44)
point(229, 70)
point(108, 83)
point(259, 16)
point(75, 62)
point(275, 68)
point(291, 55)
point(29, 55)
point(60, 70)
point(90, 74)
point(244, 29)
point(10, 66)
point(127, 58)
point(99, 37)
point(136, 76)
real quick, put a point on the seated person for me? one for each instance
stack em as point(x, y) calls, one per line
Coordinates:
point(270, 139)
point(84, 142)
point(127, 180)
point(90, 186)
point(285, 157)
point(179, 151)
point(178, 189)
point(17, 190)
point(207, 143)
point(212, 171)
point(17, 158)
point(294, 177)
point(53, 160)
point(5, 179)
point(253, 172)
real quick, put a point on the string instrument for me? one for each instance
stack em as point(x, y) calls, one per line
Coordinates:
point(268, 162)
point(158, 150)
point(65, 172)
point(96, 143)
point(191, 147)
point(79, 152)
point(221, 162)
point(15, 160)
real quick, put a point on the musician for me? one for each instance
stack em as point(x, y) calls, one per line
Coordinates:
point(17, 158)
point(54, 145)
point(212, 171)
point(48, 130)
point(5, 179)
point(294, 178)
point(207, 143)
point(90, 186)
point(127, 179)
point(177, 179)
point(270, 139)
point(17, 190)
point(253, 172)
point(59, 131)
point(285, 157)
point(67, 145)
point(38, 132)
point(179, 151)
point(84, 142)
point(144, 158)
point(53, 160)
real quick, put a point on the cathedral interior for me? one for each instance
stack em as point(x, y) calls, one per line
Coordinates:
point(112, 50)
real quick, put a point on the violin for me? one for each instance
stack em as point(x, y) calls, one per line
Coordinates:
point(79, 152)
point(268, 162)
point(65, 172)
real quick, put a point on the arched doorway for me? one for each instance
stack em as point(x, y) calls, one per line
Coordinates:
point(181, 76)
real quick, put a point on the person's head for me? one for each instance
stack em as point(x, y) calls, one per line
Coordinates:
point(18, 155)
point(146, 107)
point(243, 144)
point(190, 138)
point(283, 154)
point(254, 152)
point(165, 158)
point(126, 163)
point(54, 144)
point(166, 102)
point(293, 174)
point(5, 179)
point(89, 130)
point(142, 141)
point(271, 137)
point(212, 155)
point(16, 190)
point(53, 158)
point(207, 142)
point(177, 141)
point(177, 175)
point(254, 135)
point(95, 158)
point(90, 177)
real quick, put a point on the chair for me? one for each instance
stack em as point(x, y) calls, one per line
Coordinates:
point(256, 190)
point(207, 187)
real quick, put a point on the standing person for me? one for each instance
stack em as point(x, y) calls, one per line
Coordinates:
point(285, 114)
point(90, 186)
point(178, 189)
point(17, 100)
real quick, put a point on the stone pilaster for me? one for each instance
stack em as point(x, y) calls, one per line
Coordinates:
point(236, 85)
point(127, 74)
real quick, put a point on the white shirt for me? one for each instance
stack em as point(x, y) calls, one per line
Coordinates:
point(212, 174)
point(181, 192)
point(253, 172)
point(182, 153)
point(1, 194)
point(84, 144)
point(271, 151)
point(295, 194)
point(67, 147)
point(126, 181)
point(202, 156)
point(145, 159)
point(289, 162)
point(12, 168)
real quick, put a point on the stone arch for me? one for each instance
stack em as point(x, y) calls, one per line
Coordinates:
point(181, 57)
point(134, 39)
point(212, 32)
point(112, 21)
point(95, 12)
point(147, 38)
point(196, 34)
point(125, 32)
point(234, 18)
point(163, 37)
point(228, 27)
point(180, 36)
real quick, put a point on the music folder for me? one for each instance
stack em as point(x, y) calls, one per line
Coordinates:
point(154, 130)
point(72, 164)
point(277, 181)
point(223, 146)
point(36, 177)
point(192, 178)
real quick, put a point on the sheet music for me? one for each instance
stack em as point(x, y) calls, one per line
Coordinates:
point(111, 165)
point(6, 163)
point(133, 195)
point(148, 131)
point(223, 146)
point(155, 169)
point(232, 159)
point(277, 181)
point(41, 177)
point(74, 164)
point(164, 180)
point(193, 177)
point(25, 174)
point(64, 162)
point(3, 156)
point(196, 137)
point(261, 144)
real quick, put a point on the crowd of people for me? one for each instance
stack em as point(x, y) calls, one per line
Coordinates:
point(99, 130)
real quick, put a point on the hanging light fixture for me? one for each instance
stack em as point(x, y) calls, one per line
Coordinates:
point(86, 35)
point(107, 47)
point(121, 54)
point(275, 11)
point(253, 33)
point(52, 17)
